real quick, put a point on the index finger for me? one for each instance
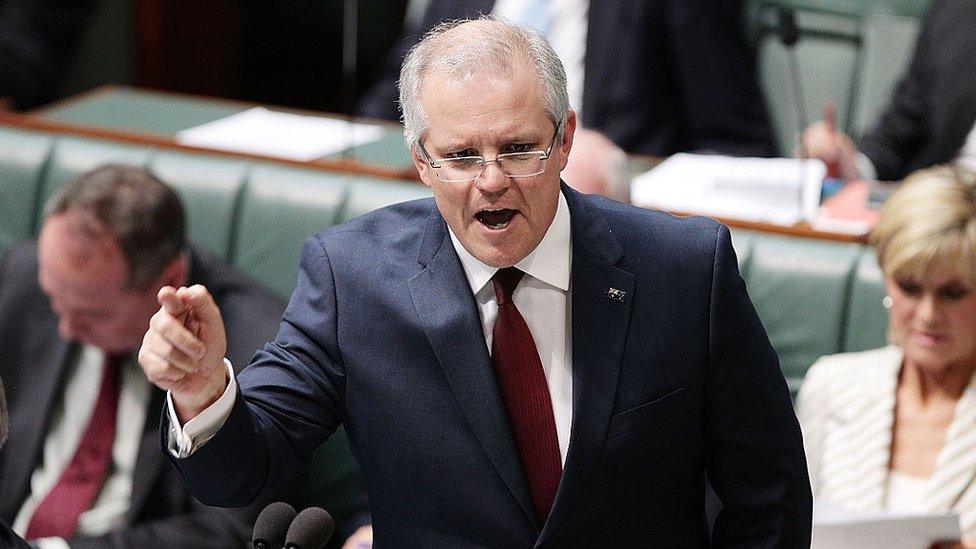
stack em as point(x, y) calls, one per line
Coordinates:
point(169, 301)
point(830, 116)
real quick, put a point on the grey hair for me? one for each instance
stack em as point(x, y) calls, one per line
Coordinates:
point(143, 215)
point(486, 42)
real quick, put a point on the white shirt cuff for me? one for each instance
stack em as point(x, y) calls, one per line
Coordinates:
point(51, 543)
point(183, 441)
point(865, 167)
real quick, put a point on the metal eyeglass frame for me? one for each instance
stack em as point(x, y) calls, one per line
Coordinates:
point(543, 155)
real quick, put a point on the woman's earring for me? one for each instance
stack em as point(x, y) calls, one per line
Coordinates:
point(886, 302)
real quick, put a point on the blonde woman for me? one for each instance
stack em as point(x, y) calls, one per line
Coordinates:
point(895, 428)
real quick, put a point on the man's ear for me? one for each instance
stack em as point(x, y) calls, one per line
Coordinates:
point(423, 168)
point(566, 145)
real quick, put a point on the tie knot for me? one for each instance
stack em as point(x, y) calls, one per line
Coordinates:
point(505, 281)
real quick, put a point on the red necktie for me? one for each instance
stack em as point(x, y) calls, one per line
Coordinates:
point(82, 479)
point(525, 392)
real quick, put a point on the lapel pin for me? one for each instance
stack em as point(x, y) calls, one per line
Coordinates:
point(616, 295)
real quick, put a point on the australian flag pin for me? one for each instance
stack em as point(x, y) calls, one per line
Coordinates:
point(616, 295)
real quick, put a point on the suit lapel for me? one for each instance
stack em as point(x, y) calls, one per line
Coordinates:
point(449, 316)
point(955, 465)
point(599, 324)
point(37, 399)
point(149, 462)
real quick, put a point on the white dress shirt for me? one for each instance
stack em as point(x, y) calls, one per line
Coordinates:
point(566, 34)
point(542, 297)
point(906, 494)
point(109, 510)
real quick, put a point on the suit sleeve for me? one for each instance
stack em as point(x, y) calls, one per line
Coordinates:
point(11, 540)
point(288, 402)
point(754, 450)
point(903, 128)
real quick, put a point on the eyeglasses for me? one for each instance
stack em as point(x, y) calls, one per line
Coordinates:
point(468, 168)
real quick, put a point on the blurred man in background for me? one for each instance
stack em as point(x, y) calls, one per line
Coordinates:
point(82, 465)
point(931, 118)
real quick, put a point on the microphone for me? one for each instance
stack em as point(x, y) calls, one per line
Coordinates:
point(311, 529)
point(789, 34)
point(271, 525)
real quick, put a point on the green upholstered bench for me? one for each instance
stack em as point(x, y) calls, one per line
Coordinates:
point(815, 297)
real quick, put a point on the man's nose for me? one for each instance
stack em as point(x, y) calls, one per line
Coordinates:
point(493, 179)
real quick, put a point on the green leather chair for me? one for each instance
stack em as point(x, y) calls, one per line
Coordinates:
point(800, 290)
point(367, 194)
point(211, 188)
point(74, 156)
point(23, 157)
point(866, 320)
point(281, 207)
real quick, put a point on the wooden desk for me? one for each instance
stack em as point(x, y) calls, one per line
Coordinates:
point(153, 118)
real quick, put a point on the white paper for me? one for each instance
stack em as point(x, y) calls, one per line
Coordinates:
point(282, 135)
point(837, 528)
point(772, 190)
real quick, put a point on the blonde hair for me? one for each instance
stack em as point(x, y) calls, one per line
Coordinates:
point(929, 223)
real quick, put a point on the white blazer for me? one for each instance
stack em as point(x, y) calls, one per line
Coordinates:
point(846, 408)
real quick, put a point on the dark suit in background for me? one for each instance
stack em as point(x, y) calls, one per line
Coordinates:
point(34, 363)
point(934, 106)
point(661, 76)
point(36, 40)
point(10, 540)
point(674, 379)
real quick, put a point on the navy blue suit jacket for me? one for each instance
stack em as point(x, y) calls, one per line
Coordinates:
point(675, 381)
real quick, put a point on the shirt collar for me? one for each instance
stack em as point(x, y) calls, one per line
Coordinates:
point(549, 262)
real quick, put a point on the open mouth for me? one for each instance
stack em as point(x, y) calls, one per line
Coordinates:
point(495, 219)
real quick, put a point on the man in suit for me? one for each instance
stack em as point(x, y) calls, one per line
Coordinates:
point(657, 77)
point(83, 294)
point(516, 364)
point(7, 537)
point(931, 118)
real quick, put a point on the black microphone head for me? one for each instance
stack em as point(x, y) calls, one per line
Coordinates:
point(271, 526)
point(311, 529)
point(786, 29)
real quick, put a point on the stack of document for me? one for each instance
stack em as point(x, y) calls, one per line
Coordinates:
point(782, 191)
point(837, 528)
point(283, 135)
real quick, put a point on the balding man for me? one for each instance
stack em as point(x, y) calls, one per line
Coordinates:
point(516, 364)
point(82, 466)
